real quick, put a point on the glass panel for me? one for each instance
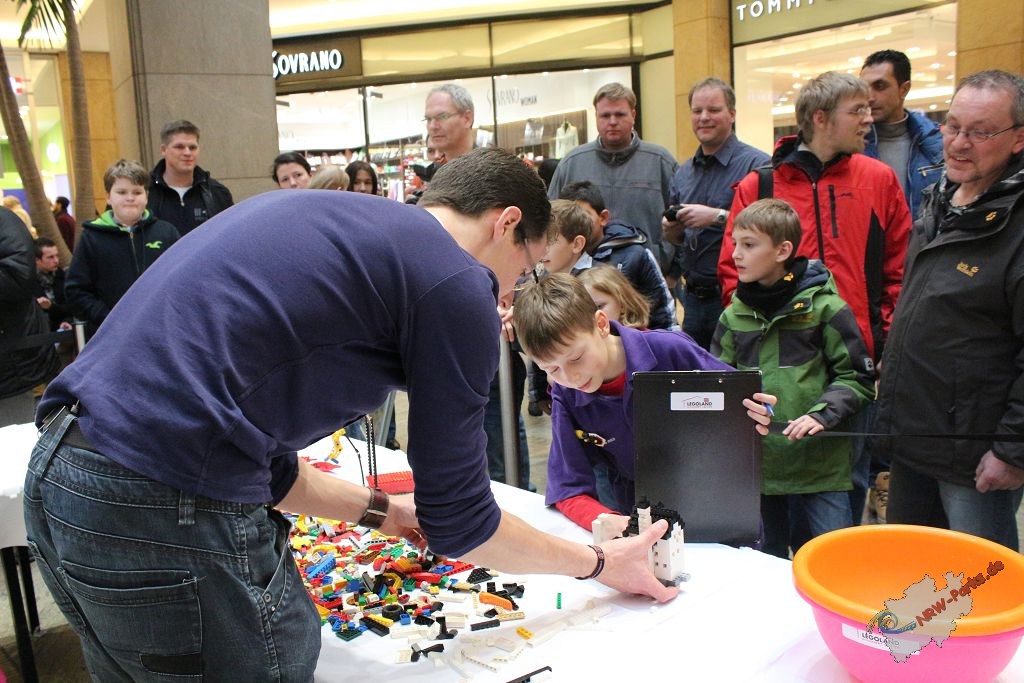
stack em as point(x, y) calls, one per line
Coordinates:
point(438, 50)
point(520, 42)
point(769, 75)
point(546, 114)
point(320, 121)
point(37, 91)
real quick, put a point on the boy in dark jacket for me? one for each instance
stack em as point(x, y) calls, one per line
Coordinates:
point(787, 321)
point(115, 249)
point(626, 248)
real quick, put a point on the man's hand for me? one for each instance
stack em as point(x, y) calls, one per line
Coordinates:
point(44, 303)
point(64, 326)
point(626, 567)
point(758, 413)
point(402, 521)
point(993, 474)
point(505, 310)
point(697, 215)
point(805, 425)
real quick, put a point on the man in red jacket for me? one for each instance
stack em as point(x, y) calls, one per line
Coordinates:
point(854, 215)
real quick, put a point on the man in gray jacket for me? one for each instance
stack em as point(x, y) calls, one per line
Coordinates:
point(634, 177)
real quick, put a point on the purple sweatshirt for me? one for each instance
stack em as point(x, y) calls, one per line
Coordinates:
point(276, 323)
point(571, 462)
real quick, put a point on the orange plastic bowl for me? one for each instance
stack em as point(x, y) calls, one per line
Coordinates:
point(847, 576)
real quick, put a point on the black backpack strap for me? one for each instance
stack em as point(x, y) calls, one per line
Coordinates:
point(765, 182)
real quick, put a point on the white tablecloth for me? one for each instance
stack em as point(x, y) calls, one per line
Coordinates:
point(16, 442)
point(738, 618)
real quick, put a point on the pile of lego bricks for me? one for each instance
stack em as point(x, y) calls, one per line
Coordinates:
point(361, 580)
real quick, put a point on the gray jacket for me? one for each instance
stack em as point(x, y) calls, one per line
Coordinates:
point(635, 183)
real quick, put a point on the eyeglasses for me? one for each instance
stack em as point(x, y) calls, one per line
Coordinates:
point(860, 111)
point(521, 236)
point(440, 118)
point(976, 137)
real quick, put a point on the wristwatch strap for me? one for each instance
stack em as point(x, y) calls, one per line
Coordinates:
point(376, 510)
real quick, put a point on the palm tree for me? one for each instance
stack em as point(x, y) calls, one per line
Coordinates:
point(58, 17)
point(21, 149)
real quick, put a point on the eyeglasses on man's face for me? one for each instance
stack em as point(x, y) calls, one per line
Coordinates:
point(440, 118)
point(976, 137)
point(860, 112)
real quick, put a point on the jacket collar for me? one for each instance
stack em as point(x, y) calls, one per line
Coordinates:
point(619, 156)
point(199, 176)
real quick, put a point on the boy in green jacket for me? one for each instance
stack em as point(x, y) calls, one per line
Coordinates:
point(788, 321)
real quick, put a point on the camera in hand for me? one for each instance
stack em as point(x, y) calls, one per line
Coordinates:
point(670, 212)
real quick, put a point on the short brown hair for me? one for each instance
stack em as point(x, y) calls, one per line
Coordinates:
point(175, 127)
point(549, 312)
point(130, 170)
point(570, 219)
point(636, 309)
point(824, 92)
point(615, 91)
point(711, 82)
point(774, 218)
point(491, 178)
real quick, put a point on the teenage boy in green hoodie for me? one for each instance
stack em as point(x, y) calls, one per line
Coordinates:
point(788, 321)
point(114, 250)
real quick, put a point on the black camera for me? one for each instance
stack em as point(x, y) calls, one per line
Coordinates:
point(670, 212)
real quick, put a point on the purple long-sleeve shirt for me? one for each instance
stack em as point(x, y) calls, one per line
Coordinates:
point(276, 323)
point(571, 462)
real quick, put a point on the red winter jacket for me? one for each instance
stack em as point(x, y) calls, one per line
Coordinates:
point(855, 220)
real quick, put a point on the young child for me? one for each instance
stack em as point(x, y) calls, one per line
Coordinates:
point(114, 250)
point(591, 360)
point(787, 320)
point(614, 295)
point(567, 250)
point(623, 246)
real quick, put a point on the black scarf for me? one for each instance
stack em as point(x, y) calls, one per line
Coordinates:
point(768, 300)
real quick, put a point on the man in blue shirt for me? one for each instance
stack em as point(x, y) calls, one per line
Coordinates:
point(148, 496)
point(702, 192)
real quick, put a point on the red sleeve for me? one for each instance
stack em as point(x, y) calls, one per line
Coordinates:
point(582, 509)
point(897, 235)
point(726, 268)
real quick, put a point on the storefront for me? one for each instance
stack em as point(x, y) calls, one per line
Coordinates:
point(34, 79)
point(779, 44)
point(343, 97)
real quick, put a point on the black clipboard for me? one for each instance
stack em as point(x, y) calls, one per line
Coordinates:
point(698, 453)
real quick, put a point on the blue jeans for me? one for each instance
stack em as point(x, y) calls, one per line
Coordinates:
point(700, 317)
point(790, 521)
point(860, 466)
point(916, 498)
point(160, 583)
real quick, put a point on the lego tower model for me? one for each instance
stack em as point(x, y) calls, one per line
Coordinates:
point(665, 558)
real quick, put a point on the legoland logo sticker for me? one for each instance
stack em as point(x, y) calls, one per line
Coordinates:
point(714, 400)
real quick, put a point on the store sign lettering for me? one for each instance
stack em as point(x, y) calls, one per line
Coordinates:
point(307, 62)
point(511, 96)
point(759, 8)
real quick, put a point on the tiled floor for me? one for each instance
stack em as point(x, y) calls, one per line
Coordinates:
point(57, 652)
